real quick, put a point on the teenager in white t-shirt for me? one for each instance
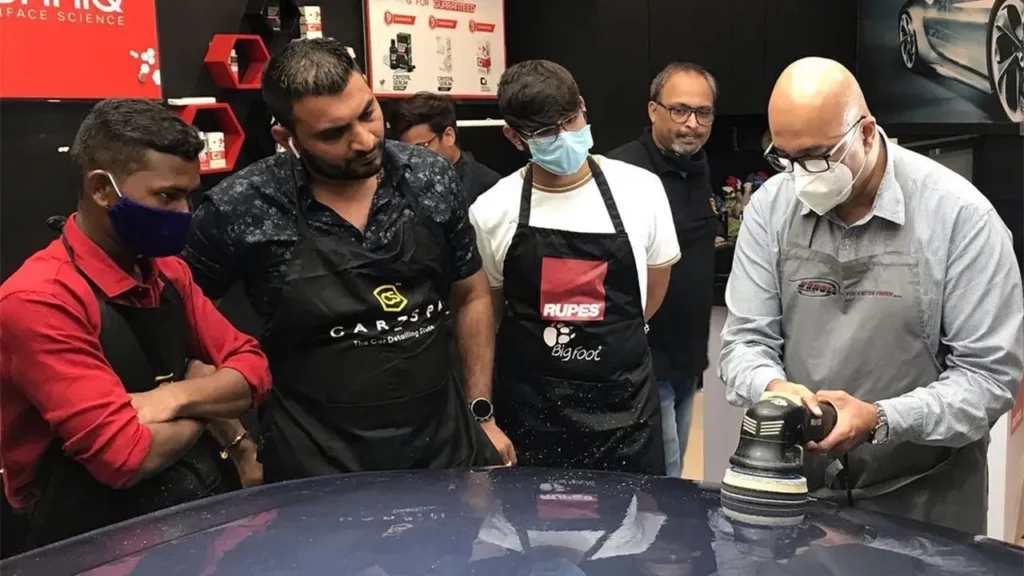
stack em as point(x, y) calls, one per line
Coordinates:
point(641, 201)
point(578, 251)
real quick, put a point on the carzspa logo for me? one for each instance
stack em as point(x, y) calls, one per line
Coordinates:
point(95, 12)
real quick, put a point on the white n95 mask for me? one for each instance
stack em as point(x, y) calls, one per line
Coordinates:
point(823, 191)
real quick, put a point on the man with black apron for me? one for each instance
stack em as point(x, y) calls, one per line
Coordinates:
point(575, 386)
point(355, 250)
point(878, 280)
point(104, 412)
point(348, 402)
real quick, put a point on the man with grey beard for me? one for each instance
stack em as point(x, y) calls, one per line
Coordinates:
point(682, 110)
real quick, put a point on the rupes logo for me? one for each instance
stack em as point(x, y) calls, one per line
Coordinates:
point(817, 287)
point(572, 290)
point(389, 298)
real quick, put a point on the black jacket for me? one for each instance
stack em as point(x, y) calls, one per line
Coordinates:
point(679, 331)
point(476, 177)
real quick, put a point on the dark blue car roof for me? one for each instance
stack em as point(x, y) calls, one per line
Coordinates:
point(513, 522)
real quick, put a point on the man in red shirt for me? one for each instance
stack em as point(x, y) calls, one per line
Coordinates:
point(115, 368)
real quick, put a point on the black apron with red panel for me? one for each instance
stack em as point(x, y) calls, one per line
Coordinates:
point(360, 351)
point(145, 347)
point(575, 386)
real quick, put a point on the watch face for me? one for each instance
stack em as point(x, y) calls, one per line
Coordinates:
point(482, 408)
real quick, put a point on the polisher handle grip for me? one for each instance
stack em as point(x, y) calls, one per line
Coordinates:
point(817, 428)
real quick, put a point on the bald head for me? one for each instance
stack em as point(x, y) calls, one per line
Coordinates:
point(814, 102)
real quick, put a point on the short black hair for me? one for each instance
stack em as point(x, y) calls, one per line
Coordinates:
point(658, 84)
point(117, 133)
point(434, 110)
point(537, 94)
point(304, 68)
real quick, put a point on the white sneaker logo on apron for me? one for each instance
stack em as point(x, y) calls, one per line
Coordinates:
point(558, 335)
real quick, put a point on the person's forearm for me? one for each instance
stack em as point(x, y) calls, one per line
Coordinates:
point(474, 325)
point(223, 394)
point(954, 411)
point(170, 441)
point(657, 288)
point(232, 436)
point(749, 360)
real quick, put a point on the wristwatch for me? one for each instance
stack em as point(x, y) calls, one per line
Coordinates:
point(880, 433)
point(482, 409)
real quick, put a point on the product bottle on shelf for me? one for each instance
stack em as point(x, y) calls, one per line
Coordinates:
point(393, 55)
point(233, 63)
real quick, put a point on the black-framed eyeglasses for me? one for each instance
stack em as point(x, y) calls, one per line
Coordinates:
point(554, 131)
point(427, 143)
point(811, 163)
point(680, 113)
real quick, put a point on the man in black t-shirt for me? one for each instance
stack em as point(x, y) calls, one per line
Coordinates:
point(682, 110)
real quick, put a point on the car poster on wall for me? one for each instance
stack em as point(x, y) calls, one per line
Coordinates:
point(79, 49)
point(454, 47)
point(942, 61)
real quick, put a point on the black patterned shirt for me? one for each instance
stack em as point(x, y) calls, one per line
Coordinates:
point(244, 229)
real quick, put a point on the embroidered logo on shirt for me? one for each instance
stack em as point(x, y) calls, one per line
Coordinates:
point(572, 290)
point(817, 287)
point(389, 298)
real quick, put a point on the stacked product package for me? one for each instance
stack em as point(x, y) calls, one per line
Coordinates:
point(310, 24)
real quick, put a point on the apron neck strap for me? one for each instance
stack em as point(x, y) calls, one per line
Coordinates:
point(302, 223)
point(526, 198)
point(801, 229)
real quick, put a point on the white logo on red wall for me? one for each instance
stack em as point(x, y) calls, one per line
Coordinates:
point(572, 290)
point(90, 12)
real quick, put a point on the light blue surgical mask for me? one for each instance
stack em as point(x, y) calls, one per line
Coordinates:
point(563, 154)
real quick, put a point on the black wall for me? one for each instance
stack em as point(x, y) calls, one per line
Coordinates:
point(612, 47)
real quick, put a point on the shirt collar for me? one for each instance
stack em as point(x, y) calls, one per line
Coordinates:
point(100, 268)
point(395, 164)
point(463, 163)
point(658, 161)
point(694, 164)
point(889, 200)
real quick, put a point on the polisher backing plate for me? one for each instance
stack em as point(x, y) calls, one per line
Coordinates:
point(763, 496)
point(790, 484)
point(762, 521)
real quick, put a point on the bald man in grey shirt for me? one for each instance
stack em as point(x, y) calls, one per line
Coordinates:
point(874, 278)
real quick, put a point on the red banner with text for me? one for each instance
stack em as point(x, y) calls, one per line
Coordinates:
point(79, 49)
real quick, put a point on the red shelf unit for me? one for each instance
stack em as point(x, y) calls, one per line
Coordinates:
point(218, 60)
point(221, 113)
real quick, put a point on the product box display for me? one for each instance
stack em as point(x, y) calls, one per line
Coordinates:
point(233, 63)
point(216, 151)
point(204, 155)
point(460, 47)
point(310, 23)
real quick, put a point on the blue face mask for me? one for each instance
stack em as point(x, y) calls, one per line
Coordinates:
point(563, 154)
point(148, 231)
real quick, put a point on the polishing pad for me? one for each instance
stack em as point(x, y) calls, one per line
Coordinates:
point(771, 498)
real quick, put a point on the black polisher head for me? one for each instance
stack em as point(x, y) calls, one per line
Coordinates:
point(764, 481)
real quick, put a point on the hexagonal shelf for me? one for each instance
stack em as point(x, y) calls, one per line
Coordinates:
point(251, 50)
point(220, 115)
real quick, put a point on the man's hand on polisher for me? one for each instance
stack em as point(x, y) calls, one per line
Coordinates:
point(854, 423)
point(798, 390)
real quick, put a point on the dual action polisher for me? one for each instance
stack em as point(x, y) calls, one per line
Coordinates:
point(764, 482)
